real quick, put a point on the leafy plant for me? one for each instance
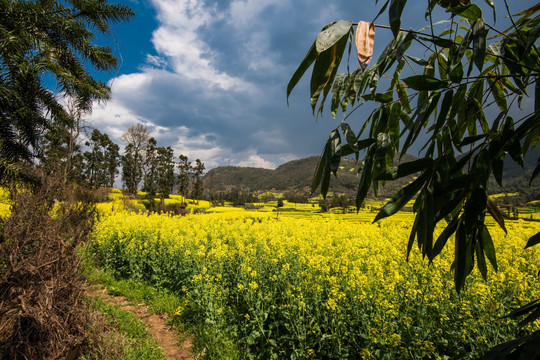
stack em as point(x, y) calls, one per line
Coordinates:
point(457, 79)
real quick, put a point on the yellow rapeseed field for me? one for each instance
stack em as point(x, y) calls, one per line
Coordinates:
point(321, 286)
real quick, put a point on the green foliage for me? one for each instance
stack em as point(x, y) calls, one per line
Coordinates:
point(48, 40)
point(197, 171)
point(137, 140)
point(101, 160)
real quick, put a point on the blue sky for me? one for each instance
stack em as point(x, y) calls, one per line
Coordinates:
point(209, 78)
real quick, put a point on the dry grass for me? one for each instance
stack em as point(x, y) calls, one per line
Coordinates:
point(42, 309)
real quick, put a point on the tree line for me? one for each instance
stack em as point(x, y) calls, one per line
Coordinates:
point(143, 165)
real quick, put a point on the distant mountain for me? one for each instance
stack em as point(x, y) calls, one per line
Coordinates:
point(294, 175)
point(297, 175)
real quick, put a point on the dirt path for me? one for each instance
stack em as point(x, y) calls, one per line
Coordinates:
point(166, 337)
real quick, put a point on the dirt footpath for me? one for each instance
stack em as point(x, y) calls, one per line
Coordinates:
point(166, 337)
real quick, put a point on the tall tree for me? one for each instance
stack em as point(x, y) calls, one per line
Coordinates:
point(198, 188)
point(464, 70)
point(101, 160)
point(112, 161)
point(184, 177)
point(136, 139)
point(150, 167)
point(165, 172)
point(43, 41)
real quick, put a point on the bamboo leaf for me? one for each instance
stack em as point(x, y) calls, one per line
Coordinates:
point(405, 169)
point(496, 214)
point(462, 258)
point(470, 12)
point(403, 98)
point(321, 167)
point(481, 261)
point(498, 94)
point(324, 71)
point(533, 240)
point(535, 173)
point(479, 43)
point(401, 198)
point(332, 35)
point(310, 57)
point(424, 82)
point(394, 12)
point(444, 236)
point(489, 248)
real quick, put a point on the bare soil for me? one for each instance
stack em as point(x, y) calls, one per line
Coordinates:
point(176, 346)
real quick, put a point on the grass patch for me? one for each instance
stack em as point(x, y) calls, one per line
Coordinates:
point(125, 336)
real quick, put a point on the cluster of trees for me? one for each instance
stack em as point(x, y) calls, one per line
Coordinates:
point(145, 166)
point(144, 163)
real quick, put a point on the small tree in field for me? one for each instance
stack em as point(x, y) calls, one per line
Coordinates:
point(184, 166)
point(461, 101)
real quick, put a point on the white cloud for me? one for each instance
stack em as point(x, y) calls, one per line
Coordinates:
point(213, 87)
point(178, 39)
point(257, 162)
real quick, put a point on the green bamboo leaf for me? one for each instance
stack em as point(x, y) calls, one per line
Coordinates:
point(324, 72)
point(407, 168)
point(411, 237)
point(533, 240)
point(310, 57)
point(335, 151)
point(470, 12)
point(525, 309)
point(481, 261)
point(462, 257)
point(496, 214)
point(498, 167)
point(444, 236)
point(489, 248)
point(537, 94)
point(337, 90)
point(351, 138)
point(330, 36)
point(443, 112)
point(479, 33)
point(424, 82)
point(401, 198)
point(456, 56)
point(498, 93)
point(417, 60)
point(365, 179)
point(321, 167)
point(382, 98)
point(472, 139)
point(403, 98)
point(535, 173)
point(394, 13)
point(530, 318)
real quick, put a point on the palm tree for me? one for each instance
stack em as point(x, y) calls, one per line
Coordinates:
point(48, 42)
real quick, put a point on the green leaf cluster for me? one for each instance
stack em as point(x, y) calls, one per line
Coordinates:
point(42, 41)
point(467, 70)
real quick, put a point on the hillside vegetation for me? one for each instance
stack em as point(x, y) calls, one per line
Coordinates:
point(296, 175)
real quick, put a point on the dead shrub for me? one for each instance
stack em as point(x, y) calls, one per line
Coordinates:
point(43, 314)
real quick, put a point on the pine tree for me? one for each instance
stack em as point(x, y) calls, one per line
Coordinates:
point(40, 41)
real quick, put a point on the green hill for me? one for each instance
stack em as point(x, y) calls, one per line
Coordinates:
point(296, 175)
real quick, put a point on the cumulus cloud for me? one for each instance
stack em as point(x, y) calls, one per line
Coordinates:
point(213, 84)
point(257, 162)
